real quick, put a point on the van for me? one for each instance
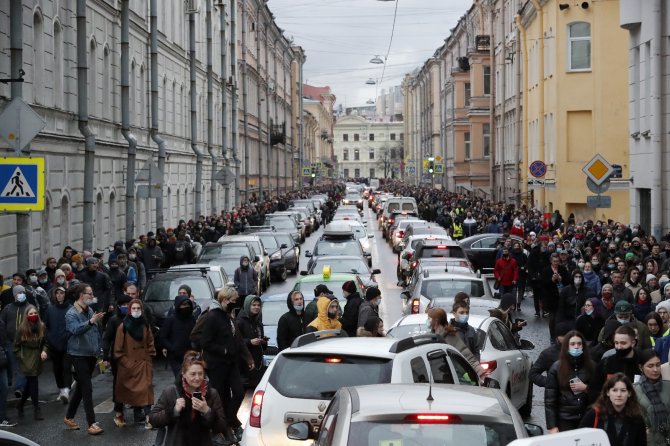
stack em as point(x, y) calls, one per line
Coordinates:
point(397, 204)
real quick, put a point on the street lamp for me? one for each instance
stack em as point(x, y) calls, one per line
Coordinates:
point(376, 60)
point(370, 81)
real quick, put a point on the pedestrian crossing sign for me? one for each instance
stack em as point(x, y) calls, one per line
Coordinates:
point(22, 184)
point(439, 168)
point(306, 171)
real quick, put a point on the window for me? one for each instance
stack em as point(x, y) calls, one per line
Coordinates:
point(419, 370)
point(579, 46)
point(356, 137)
point(372, 154)
point(402, 136)
point(345, 155)
point(372, 173)
point(38, 59)
point(393, 153)
point(439, 367)
point(467, 93)
point(357, 173)
point(345, 137)
point(487, 79)
point(93, 94)
point(392, 136)
point(486, 140)
point(464, 371)
point(346, 173)
point(372, 137)
point(357, 155)
point(107, 85)
point(466, 145)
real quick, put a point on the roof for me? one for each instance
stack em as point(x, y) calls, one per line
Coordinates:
point(318, 278)
point(315, 93)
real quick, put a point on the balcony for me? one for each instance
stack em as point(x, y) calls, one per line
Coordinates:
point(278, 134)
point(483, 43)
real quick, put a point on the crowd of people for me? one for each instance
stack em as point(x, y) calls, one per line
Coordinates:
point(603, 287)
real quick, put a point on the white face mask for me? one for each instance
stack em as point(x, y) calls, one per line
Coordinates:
point(60, 280)
point(136, 313)
point(578, 280)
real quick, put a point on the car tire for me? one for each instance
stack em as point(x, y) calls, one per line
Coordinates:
point(283, 275)
point(294, 271)
point(528, 405)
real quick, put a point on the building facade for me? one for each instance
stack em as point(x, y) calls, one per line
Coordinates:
point(648, 27)
point(368, 149)
point(318, 104)
point(220, 126)
point(575, 63)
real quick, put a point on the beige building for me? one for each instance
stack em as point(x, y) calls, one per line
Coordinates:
point(318, 107)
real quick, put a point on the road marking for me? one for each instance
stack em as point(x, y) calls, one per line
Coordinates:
point(106, 406)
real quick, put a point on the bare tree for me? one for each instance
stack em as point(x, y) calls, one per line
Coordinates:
point(389, 160)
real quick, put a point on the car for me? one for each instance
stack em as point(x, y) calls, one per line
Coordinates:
point(158, 296)
point(12, 439)
point(263, 265)
point(333, 281)
point(345, 264)
point(283, 258)
point(506, 359)
point(482, 249)
point(307, 218)
point(405, 266)
point(422, 229)
point(338, 230)
point(397, 204)
point(416, 414)
point(582, 436)
point(431, 248)
point(222, 253)
point(217, 273)
point(301, 380)
point(430, 286)
point(284, 223)
point(296, 216)
point(228, 263)
point(361, 234)
point(397, 231)
point(353, 198)
point(446, 265)
point(335, 248)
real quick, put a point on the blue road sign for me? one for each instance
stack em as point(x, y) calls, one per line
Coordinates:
point(21, 184)
point(538, 169)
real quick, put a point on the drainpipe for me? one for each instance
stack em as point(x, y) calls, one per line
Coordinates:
point(492, 117)
point(258, 104)
point(210, 106)
point(524, 123)
point(245, 105)
point(16, 44)
point(288, 145)
point(276, 114)
point(155, 137)
point(519, 116)
point(267, 114)
point(194, 119)
point(125, 121)
point(224, 98)
point(234, 125)
point(89, 137)
point(656, 123)
point(301, 133)
point(540, 16)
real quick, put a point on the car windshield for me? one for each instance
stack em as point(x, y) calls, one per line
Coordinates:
point(473, 433)
point(449, 287)
point(281, 222)
point(447, 251)
point(356, 266)
point(406, 331)
point(269, 241)
point(342, 248)
point(273, 310)
point(229, 264)
point(319, 377)
point(285, 239)
point(161, 290)
point(238, 250)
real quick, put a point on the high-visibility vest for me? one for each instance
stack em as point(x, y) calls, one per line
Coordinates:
point(458, 230)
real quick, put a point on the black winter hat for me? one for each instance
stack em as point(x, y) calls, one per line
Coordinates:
point(372, 292)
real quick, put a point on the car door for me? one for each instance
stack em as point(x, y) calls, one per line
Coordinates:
point(509, 360)
point(482, 253)
point(519, 376)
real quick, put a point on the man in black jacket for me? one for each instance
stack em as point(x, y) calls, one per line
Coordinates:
point(292, 323)
point(101, 285)
point(548, 356)
point(350, 313)
point(554, 277)
point(623, 359)
point(571, 298)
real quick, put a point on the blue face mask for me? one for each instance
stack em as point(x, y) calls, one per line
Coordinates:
point(298, 307)
point(463, 318)
point(575, 352)
point(123, 310)
point(622, 321)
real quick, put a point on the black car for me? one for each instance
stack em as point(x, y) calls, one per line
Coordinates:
point(482, 249)
point(282, 251)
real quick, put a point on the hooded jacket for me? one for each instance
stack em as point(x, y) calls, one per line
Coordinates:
point(562, 404)
point(176, 331)
point(221, 342)
point(322, 321)
point(290, 326)
point(55, 322)
point(350, 313)
point(251, 327)
point(246, 279)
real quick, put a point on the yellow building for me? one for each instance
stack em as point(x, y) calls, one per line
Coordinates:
point(575, 101)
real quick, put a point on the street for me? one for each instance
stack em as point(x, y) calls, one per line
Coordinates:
point(52, 430)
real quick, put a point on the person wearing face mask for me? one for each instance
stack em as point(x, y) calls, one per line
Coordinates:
point(100, 283)
point(246, 280)
point(43, 280)
point(176, 330)
point(461, 314)
point(30, 348)
point(570, 387)
point(117, 277)
point(591, 280)
point(108, 341)
point(224, 349)
point(135, 262)
point(60, 280)
point(250, 323)
point(133, 350)
point(57, 341)
point(642, 305)
point(549, 355)
point(571, 298)
point(654, 396)
point(292, 323)
point(328, 316)
point(623, 358)
point(591, 320)
point(351, 308)
point(623, 315)
point(370, 307)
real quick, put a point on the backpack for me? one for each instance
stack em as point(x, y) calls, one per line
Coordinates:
point(180, 250)
point(196, 333)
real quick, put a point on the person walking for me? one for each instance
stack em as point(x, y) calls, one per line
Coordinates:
point(83, 347)
point(506, 272)
point(292, 323)
point(654, 396)
point(57, 342)
point(12, 316)
point(351, 308)
point(568, 391)
point(246, 281)
point(30, 348)
point(191, 409)
point(618, 412)
point(134, 351)
point(250, 323)
point(176, 331)
point(592, 320)
point(369, 308)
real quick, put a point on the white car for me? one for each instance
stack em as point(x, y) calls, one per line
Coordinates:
point(263, 267)
point(361, 234)
point(300, 382)
point(217, 274)
point(405, 264)
point(500, 353)
point(431, 288)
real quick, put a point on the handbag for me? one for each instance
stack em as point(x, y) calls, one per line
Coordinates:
point(4, 360)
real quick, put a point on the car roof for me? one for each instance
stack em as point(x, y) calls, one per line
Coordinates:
point(318, 278)
point(195, 266)
point(356, 346)
point(389, 399)
point(342, 257)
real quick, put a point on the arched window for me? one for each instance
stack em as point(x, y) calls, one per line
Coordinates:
point(58, 65)
point(171, 116)
point(93, 79)
point(38, 58)
point(99, 227)
point(142, 93)
point(579, 46)
point(107, 85)
point(163, 122)
point(45, 239)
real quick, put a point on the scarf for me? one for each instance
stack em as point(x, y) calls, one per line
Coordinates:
point(134, 327)
point(658, 413)
point(185, 387)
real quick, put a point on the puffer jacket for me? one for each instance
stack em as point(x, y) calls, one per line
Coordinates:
point(564, 404)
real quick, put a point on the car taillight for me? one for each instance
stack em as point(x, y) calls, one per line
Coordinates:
point(391, 221)
point(414, 265)
point(489, 365)
point(432, 418)
point(256, 409)
point(400, 234)
point(415, 306)
point(409, 255)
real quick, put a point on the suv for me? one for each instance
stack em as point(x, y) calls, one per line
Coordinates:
point(407, 264)
point(299, 383)
point(432, 288)
point(401, 414)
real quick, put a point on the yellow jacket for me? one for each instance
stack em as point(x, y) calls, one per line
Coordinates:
point(322, 321)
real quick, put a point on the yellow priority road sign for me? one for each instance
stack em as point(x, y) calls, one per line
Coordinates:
point(22, 184)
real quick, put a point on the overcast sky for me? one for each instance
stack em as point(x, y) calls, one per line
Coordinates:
point(341, 36)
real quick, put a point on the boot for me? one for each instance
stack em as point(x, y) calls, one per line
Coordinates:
point(38, 413)
point(19, 407)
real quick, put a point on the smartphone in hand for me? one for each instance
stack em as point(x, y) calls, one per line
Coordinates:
point(197, 395)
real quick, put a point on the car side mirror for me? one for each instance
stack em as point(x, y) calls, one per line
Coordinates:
point(405, 294)
point(301, 430)
point(284, 246)
point(533, 430)
point(376, 271)
point(257, 259)
point(303, 273)
point(308, 254)
point(525, 344)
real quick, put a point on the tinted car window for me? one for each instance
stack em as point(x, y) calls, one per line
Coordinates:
point(283, 222)
point(508, 337)
point(408, 206)
point(419, 370)
point(348, 247)
point(497, 337)
point(269, 241)
point(356, 266)
point(318, 377)
point(464, 371)
point(439, 367)
point(449, 288)
point(307, 288)
point(451, 251)
point(229, 264)
point(227, 249)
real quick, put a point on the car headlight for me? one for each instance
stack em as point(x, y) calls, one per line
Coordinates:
point(276, 256)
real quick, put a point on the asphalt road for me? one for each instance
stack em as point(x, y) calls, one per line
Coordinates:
point(51, 431)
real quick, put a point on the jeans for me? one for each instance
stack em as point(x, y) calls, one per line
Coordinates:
point(83, 369)
point(4, 389)
point(62, 372)
point(32, 390)
point(19, 378)
point(227, 381)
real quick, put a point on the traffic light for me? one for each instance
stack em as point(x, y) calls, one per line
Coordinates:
point(431, 167)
